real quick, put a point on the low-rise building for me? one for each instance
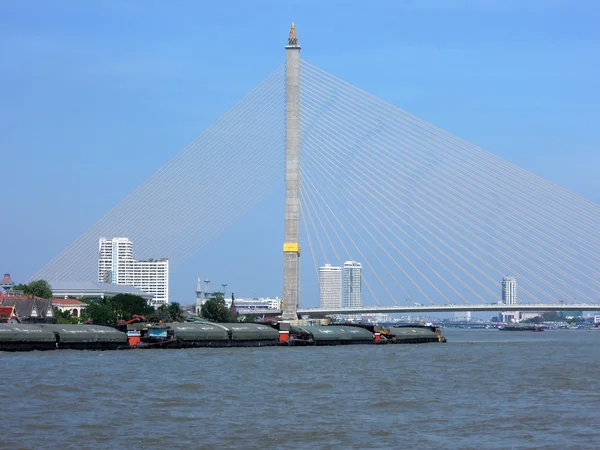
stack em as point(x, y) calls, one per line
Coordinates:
point(29, 309)
point(69, 305)
point(509, 316)
point(93, 290)
point(249, 305)
point(7, 313)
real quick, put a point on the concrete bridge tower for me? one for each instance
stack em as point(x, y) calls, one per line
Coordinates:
point(291, 246)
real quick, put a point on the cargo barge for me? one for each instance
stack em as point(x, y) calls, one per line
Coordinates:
point(518, 327)
point(21, 337)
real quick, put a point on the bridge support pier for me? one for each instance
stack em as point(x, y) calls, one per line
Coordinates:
point(291, 246)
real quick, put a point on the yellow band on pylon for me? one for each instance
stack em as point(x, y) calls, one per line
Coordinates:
point(291, 247)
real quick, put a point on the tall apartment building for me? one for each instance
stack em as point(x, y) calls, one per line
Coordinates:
point(117, 265)
point(509, 290)
point(352, 286)
point(330, 286)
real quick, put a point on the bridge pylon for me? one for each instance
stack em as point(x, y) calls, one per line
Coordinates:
point(291, 246)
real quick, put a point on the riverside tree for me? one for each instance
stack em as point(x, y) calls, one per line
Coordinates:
point(101, 311)
point(121, 306)
point(128, 305)
point(215, 310)
point(38, 288)
point(169, 313)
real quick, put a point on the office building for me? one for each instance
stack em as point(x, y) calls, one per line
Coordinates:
point(330, 286)
point(117, 265)
point(352, 285)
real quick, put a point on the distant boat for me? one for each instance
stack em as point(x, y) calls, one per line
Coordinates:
point(519, 327)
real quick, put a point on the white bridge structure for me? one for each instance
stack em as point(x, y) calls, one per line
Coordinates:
point(414, 309)
point(449, 308)
point(433, 219)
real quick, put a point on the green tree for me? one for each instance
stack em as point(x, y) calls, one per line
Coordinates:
point(102, 311)
point(160, 314)
point(168, 313)
point(215, 310)
point(38, 288)
point(128, 305)
point(552, 316)
point(64, 317)
point(537, 319)
point(175, 312)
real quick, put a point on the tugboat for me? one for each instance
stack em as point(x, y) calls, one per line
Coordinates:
point(156, 336)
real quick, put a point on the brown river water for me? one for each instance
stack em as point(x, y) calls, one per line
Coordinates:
point(483, 389)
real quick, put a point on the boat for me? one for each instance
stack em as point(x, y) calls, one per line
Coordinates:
point(519, 327)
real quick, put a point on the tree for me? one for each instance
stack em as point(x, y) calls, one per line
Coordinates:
point(214, 309)
point(175, 312)
point(160, 314)
point(552, 316)
point(168, 313)
point(102, 311)
point(128, 305)
point(64, 317)
point(38, 288)
point(537, 319)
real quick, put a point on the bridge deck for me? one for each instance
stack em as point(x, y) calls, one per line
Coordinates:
point(438, 308)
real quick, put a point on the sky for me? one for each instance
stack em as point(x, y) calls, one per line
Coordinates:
point(96, 96)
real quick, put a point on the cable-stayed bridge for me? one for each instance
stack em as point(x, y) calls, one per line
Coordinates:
point(433, 219)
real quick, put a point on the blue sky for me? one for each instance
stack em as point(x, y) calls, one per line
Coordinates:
point(96, 96)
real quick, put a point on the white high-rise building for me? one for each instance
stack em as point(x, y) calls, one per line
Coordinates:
point(330, 286)
point(117, 265)
point(352, 286)
point(509, 290)
point(462, 316)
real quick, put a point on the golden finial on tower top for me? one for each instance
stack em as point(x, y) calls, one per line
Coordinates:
point(292, 38)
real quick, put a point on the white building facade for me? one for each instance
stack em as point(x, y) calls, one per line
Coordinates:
point(330, 286)
point(117, 265)
point(248, 305)
point(352, 285)
point(509, 290)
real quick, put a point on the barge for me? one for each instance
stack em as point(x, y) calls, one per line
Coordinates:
point(519, 327)
point(206, 334)
point(22, 337)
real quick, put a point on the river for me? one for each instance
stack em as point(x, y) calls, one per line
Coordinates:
point(483, 389)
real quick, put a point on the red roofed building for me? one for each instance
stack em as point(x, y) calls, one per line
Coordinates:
point(29, 309)
point(70, 305)
point(7, 313)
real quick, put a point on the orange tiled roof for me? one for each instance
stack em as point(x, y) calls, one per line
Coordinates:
point(67, 302)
